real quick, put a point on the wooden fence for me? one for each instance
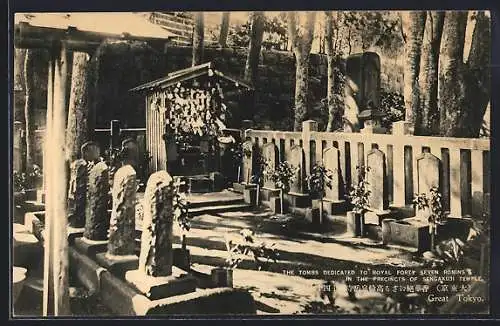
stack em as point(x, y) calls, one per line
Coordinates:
point(465, 163)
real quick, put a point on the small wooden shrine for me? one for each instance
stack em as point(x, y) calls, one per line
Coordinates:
point(185, 113)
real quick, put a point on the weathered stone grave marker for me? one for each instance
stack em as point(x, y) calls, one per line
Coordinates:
point(378, 200)
point(297, 197)
point(414, 231)
point(247, 168)
point(270, 157)
point(96, 211)
point(333, 201)
point(120, 255)
point(90, 151)
point(156, 277)
point(77, 194)
point(130, 153)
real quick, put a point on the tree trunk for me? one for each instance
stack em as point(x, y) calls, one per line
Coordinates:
point(452, 86)
point(256, 35)
point(427, 123)
point(80, 124)
point(413, 23)
point(301, 90)
point(198, 38)
point(19, 84)
point(301, 45)
point(479, 69)
point(224, 29)
point(334, 111)
point(29, 114)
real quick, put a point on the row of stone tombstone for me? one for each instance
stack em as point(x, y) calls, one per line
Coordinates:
point(428, 172)
point(91, 152)
point(88, 210)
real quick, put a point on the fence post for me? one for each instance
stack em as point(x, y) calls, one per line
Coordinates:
point(308, 126)
point(115, 133)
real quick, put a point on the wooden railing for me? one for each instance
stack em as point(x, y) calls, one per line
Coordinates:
point(465, 163)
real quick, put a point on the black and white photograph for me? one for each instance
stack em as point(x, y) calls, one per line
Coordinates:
point(250, 163)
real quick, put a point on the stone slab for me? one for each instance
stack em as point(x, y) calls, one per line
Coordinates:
point(409, 232)
point(376, 217)
point(85, 270)
point(275, 206)
point(334, 207)
point(90, 247)
point(300, 200)
point(250, 196)
point(240, 187)
point(154, 288)
point(123, 300)
point(74, 233)
point(267, 193)
point(118, 265)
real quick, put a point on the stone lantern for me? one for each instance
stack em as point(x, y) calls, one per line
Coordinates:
point(372, 120)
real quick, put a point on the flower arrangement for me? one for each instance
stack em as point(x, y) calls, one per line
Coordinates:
point(181, 209)
point(283, 176)
point(27, 180)
point(319, 179)
point(245, 245)
point(359, 193)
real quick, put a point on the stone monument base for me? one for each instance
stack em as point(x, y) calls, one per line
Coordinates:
point(240, 187)
point(376, 217)
point(180, 282)
point(74, 233)
point(250, 196)
point(118, 265)
point(295, 199)
point(90, 247)
point(332, 207)
point(267, 193)
point(411, 232)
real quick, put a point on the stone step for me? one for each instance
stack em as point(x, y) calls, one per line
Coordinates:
point(30, 300)
point(213, 209)
point(28, 251)
point(214, 202)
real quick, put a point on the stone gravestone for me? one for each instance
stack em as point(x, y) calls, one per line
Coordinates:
point(156, 277)
point(364, 70)
point(297, 197)
point(247, 162)
point(427, 172)
point(90, 151)
point(130, 153)
point(378, 200)
point(77, 194)
point(333, 195)
point(96, 213)
point(95, 234)
point(120, 256)
point(270, 156)
point(246, 168)
point(297, 161)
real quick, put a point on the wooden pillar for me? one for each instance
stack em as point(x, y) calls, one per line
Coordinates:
point(56, 288)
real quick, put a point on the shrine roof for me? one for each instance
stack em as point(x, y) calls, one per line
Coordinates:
point(85, 29)
point(187, 74)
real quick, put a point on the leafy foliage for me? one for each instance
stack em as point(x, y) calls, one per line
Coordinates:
point(260, 169)
point(433, 201)
point(181, 206)
point(283, 176)
point(319, 179)
point(359, 193)
point(245, 245)
point(393, 105)
point(27, 180)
